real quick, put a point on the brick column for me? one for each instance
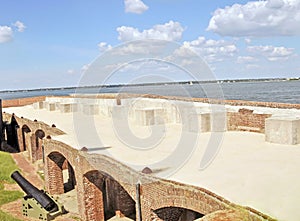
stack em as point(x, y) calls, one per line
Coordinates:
point(53, 177)
point(93, 200)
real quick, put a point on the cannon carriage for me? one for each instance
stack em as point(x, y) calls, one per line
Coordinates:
point(37, 203)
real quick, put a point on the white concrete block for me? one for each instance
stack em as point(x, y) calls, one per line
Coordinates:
point(120, 112)
point(68, 108)
point(218, 121)
point(282, 130)
point(50, 106)
point(199, 123)
point(38, 105)
point(149, 116)
point(90, 109)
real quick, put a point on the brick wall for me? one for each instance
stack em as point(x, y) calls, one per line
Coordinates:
point(93, 183)
point(22, 101)
point(246, 120)
point(93, 172)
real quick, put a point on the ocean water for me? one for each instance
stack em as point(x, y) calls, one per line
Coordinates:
point(268, 91)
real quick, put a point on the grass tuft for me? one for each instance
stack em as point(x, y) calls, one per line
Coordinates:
point(7, 166)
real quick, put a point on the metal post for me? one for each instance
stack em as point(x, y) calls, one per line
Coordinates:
point(138, 201)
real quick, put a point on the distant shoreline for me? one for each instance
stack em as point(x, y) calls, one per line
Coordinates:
point(159, 83)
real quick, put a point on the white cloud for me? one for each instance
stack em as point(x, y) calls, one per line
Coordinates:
point(103, 46)
point(212, 50)
point(85, 67)
point(258, 18)
point(248, 40)
point(272, 53)
point(135, 6)
point(171, 31)
point(6, 34)
point(71, 71)
point(20, 26)
point(245, 59)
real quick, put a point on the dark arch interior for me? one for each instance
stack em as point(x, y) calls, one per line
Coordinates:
point(25, 130)
point(39, 134)
point(115, 198)
point(177, 214)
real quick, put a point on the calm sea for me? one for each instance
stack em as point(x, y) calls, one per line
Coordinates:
point(273, 91)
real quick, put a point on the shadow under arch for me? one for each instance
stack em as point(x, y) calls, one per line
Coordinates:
point(105, 197)
point(176, 214)
point(61, 177)
point(25, 138)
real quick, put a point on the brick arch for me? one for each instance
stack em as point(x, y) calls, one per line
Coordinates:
point(109, 197)
point(172, 213)
point(60, 173)
point(167, 194)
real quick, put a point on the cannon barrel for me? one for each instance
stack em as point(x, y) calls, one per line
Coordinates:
point(39, 195)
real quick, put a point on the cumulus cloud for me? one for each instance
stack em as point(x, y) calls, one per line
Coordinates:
point(211, 50)
point(272, 53)
point(6, 34)
point(135, 6)
point(171, 31)
point(20, 26)
point(258, 18)
point(103, 46)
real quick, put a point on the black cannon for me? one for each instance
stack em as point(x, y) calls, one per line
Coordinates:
point(37, 203)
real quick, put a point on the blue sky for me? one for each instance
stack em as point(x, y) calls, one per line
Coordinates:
point(50, 43)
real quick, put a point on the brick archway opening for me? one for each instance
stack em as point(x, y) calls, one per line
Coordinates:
point(25, 137)
point(104, 197)
point(175, 214)
point(37, 145)
point(61, 175)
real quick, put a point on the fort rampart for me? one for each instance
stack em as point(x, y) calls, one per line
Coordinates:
point(106, 187)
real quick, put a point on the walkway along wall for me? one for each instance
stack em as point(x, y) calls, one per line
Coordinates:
point(105, 187)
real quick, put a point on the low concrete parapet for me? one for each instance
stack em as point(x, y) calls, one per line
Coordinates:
point(283, 130)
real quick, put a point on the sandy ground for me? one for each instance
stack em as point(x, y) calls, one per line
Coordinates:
point(246, 170)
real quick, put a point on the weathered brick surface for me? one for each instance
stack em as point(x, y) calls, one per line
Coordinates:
point(31, 134)
point(93, 183)
point(22, 101)
point(246, 120)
